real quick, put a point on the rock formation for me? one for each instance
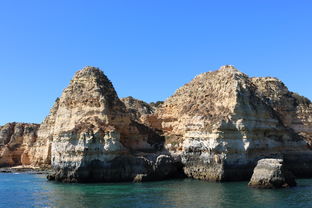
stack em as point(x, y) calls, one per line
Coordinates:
point(94, 138)
point(217, 127)
point(138, 108)
point(294, 110)
point(15, 141)
point(221, 126)
point(272, 173)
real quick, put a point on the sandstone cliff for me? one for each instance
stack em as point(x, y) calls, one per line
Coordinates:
point(294, 110)
point(221, 126)
point(94, 137)
point(138, 108)
point(15, 141)
point(218, 127)
point(40, 151)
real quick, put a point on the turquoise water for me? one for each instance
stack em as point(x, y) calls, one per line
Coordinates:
point(25, 190)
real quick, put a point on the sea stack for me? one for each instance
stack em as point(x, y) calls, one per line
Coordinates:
point(95, 138)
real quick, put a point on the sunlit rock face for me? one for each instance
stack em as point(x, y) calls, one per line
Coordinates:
point(221, 126)
point(15, 141)
point(94, 137)
point(216, 127)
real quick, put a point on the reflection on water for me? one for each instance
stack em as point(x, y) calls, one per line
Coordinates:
point(34, 191)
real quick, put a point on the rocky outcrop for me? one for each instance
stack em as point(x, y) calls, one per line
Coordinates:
point(221, 127)
point(15, 141)
point(138, 108)
point(40, 151)
point(294, 110)
point(272, 173)
point(217, 127)
point(94, 137)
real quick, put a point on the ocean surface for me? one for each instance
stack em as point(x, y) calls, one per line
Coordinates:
point(26, 190)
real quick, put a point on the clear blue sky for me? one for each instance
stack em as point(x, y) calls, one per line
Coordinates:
point(148, 48)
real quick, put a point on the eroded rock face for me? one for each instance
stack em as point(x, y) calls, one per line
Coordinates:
point(272, 173)
point(94, 138)
point(220, 126)
point(217, 127)
point(15, 141)
point(138, 108)
point(294, 110)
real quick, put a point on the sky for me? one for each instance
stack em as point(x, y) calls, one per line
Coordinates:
point(148, 48)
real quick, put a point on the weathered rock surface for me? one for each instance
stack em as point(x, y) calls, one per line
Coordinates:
point(272, 173)
point(221, 126)
point(138, 108)
point(15, 141)
point(217, 127)
point(95, 139)
point(294, 110)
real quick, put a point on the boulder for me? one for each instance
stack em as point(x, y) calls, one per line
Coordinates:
point(272, 174)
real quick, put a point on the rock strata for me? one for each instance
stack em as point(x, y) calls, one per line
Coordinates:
point(221, 126)
point(15, 141)
point(272, 173)
point(138, 108)
point(295, 111)
point(216, 127)
point(94, 137)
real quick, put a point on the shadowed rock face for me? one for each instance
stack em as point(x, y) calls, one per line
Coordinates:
point(221, 126)
point(271, 174)
point(15, 141)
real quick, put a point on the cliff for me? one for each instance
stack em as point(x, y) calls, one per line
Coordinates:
point(216, 127)
point(294, 110)
point(138, 108)
point(221, 126)
point(15, 141)
point(94, 137)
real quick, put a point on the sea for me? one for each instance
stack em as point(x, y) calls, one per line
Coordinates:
point(31, 191)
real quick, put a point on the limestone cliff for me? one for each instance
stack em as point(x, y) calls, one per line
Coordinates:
point(221, 127)
point(40, 151)
point(294, 110)
point(94, 138)
point(218, 126)
point(15, 141)
point(138, 108)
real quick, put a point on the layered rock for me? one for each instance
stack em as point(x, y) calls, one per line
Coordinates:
point(272, 173)
point(95, 139)
point(138, 108)
point(40, 152)
point(15, 141)
point(218, 126)
point(221, 127)
point(294, 110)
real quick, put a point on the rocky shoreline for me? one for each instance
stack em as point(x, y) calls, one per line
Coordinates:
point(27, 170)
point(216, 127)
